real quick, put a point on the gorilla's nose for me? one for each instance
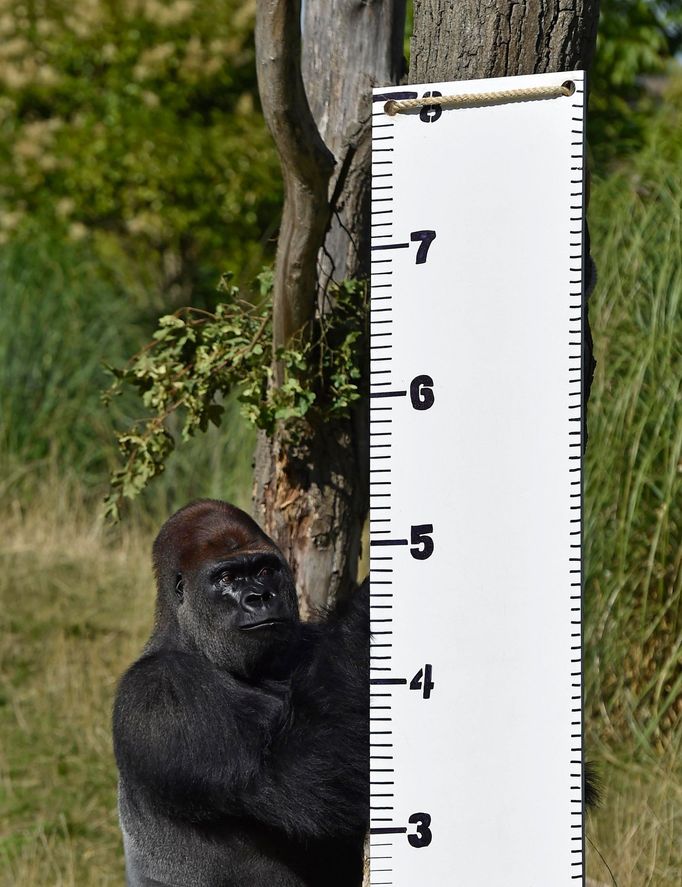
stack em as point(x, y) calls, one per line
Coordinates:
point(257, 601)
point(262, 608)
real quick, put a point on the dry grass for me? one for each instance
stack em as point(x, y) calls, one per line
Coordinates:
point(639, 827)
point(76, 607)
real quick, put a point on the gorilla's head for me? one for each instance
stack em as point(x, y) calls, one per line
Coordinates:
point(224, 589)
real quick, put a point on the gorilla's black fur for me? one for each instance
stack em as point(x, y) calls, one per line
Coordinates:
point(241, 734)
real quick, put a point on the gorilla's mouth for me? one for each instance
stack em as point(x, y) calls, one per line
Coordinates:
point(266, 623)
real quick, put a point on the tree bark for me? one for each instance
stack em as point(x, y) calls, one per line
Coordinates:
point(469, 39)
point(313, 499)
point(362, 48)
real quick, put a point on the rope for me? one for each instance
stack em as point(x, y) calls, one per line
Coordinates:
point(393, 107)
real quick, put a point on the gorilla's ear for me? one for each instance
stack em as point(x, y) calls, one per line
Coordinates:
point(179, 586)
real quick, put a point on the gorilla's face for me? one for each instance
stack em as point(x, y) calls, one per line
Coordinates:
point(235, 595)
point(239, 610)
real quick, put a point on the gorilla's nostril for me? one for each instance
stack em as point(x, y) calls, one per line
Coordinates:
point(254, 599)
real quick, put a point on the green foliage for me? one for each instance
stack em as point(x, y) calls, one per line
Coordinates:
point(133, 164)
point(139, 119)
point(635, 38)
point(198, 357)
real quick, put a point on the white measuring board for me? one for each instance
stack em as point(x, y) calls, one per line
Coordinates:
point(476, 489)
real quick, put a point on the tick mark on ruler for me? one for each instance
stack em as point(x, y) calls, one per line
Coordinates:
point(397, 96)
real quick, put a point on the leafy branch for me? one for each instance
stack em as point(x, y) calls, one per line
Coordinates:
point(197, 357)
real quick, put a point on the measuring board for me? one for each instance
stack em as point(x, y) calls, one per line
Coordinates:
point(476, 488)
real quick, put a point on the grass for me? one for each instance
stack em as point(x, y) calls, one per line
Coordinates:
point(76, 605)
point(634, 464)
point(637, 830)
point(633, 522)
point(65, 311)
point(76, 598)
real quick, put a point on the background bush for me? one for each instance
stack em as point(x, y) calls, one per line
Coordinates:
point(132, 118)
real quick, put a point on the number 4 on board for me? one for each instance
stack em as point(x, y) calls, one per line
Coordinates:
point(426, 685)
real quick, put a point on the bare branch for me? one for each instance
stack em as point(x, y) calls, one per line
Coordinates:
point(306, 162)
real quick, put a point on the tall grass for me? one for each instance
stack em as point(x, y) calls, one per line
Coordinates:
point(633, 525)
point(634, 461)
point(63, 313)
point(634, 838)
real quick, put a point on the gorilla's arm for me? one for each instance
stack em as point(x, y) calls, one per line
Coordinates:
point(189, 733)
point(207, 746)
point(316, 775)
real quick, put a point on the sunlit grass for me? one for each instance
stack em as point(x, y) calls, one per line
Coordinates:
point(637, 830)
point(633, 527)
point(76, 607)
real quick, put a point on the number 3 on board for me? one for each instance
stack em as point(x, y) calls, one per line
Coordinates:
point(423, 837)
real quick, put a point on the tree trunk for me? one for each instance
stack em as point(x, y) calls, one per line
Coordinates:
point(313, 499)
point(468, 39)
point(348, 48)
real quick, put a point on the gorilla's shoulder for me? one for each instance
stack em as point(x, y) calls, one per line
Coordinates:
point(174, 704)
point(174, 687)
point(164, 664)
point(166, 673)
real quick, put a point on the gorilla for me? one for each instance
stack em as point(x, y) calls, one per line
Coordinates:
point(241, 733)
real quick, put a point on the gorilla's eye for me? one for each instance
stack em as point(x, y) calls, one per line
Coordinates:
point(265, 571)
point(226, 578)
